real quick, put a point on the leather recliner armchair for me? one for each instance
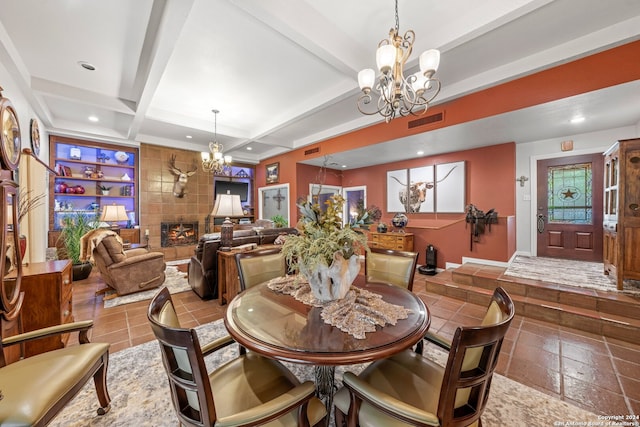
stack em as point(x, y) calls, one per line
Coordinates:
point(129, 271)
point(203, 266)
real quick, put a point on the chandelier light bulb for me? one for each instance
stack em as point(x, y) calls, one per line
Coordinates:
point(386, 58)
point(366, 78)
point(393, 94)
point(429, 62)
point(215, 161)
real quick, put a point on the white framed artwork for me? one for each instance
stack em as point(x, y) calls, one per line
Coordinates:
point(273, 200)
point(450, 187)
point(421, 190)
point(397, 185)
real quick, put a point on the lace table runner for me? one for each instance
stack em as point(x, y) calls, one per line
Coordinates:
point(359, 312)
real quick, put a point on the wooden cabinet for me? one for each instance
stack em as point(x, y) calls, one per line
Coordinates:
point(396, 241)
point(90, 176)
point(236, 180)
point(621, 219)
point(47, 288)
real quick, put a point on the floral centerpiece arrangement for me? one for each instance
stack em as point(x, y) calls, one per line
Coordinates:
point(325, 252)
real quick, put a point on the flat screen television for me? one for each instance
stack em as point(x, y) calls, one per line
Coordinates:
point(233, 187)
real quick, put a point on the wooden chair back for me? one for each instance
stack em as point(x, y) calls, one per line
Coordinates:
point(391, 266)
point(471, 363)
point(183, 362)
point(259, 266)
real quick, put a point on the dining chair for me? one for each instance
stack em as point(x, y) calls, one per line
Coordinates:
point(391, 266)
point(259, 266)
point(408, 389)
point(245, 391)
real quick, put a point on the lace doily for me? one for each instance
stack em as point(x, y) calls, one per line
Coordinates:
point(359, 312)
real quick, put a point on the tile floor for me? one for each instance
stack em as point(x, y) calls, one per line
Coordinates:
point(596, 373)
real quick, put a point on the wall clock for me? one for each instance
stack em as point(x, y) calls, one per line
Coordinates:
point(35, 137)
point(10, 144)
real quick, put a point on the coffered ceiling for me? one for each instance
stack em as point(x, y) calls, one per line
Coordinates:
point(284, 73)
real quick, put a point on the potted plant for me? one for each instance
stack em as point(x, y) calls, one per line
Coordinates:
point(279, 221)
point(104, 189)
point(73, 228)
point(326, 252)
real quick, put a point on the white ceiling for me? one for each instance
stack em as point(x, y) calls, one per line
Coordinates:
point(284, 73)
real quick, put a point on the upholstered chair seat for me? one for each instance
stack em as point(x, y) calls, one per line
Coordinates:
point(33, 390)
point(249, 390)
point(408, 389)
point(391, 266)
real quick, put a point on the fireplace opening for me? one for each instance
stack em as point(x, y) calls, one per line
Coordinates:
point(178, 233)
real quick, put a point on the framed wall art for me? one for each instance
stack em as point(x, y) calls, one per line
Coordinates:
point(397, 183)
point(273, 173)
point(421, 190)
point(272, 201)
point(450, 187)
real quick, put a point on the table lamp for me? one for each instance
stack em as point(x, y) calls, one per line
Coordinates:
point(226, 206)
point(113, 214)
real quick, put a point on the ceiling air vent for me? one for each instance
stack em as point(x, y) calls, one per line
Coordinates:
point(426, 120)
point(312, 151)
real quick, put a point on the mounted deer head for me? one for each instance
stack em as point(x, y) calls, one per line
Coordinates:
point(180, 185)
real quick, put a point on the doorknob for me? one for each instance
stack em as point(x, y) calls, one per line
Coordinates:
point(541, 219)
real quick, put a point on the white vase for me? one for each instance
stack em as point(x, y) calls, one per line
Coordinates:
point(333, 282)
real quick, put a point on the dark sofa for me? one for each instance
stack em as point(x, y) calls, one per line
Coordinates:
point(203, 266)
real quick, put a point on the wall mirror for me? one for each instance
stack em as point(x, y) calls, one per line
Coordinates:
point(273, 200)
point(355, 201)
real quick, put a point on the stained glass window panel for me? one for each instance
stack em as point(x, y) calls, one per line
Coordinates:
point(569, 196)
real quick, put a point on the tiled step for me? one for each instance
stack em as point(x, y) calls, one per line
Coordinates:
point(615, 315)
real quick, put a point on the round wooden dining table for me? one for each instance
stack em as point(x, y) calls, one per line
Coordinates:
point(278, 326)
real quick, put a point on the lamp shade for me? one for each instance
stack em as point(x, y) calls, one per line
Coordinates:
point(227, 205)
point(114, 213)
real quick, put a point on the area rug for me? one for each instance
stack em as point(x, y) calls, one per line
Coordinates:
point(582, 274)
point(140, 392)
point(175, 281)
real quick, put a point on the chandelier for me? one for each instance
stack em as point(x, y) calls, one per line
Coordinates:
point(396, 94)
point(214, 161)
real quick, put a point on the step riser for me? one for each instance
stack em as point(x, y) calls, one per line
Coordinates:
point(575, 299)
point(548, 311)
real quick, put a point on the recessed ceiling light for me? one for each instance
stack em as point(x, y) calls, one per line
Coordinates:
point(578, 119)
point(87, 66)
point(344, 166)
point(420, 153)
point(188, 136)
point(249, 148)
point(93, 119)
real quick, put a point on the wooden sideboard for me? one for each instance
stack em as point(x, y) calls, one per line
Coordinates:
point(391, 240)
point(48, 296)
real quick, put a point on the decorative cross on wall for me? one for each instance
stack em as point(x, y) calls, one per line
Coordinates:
point(279, 198)
point(522, 180)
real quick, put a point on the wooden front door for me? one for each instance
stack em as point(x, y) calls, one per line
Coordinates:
point(569, 217)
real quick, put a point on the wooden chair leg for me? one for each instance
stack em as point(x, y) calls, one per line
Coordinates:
point(340, 418)
point(100, 382)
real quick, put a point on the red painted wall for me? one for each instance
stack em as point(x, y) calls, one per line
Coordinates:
point(490, 178)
